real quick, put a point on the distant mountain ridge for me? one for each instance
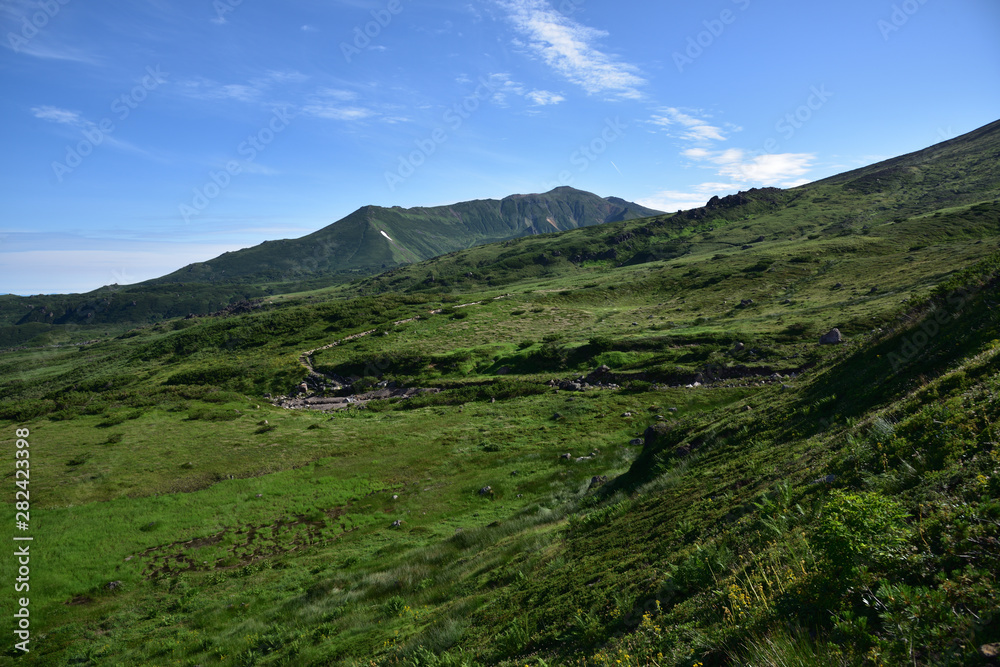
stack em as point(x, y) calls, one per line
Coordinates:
point(375, 238)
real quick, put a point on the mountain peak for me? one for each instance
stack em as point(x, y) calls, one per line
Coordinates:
point(350, 245)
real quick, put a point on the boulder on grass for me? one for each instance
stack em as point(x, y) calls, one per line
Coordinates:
point(832, 337)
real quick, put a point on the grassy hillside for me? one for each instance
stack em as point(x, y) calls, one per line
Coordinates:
point(735, 492)
point(365, 242)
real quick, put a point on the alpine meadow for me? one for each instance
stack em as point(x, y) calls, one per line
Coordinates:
point(500, 333)
point(616, 444)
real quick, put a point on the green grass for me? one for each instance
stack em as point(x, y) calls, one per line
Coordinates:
point(856, 494)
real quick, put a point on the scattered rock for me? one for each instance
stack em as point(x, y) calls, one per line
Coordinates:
point(626, 414)
point(598, 480)
point(260, 495)
point(990, 650)
point(486, 491)
point(114, 585)
point(600, 375)
point(557, 416)
point(747, 408)
point(395, 497)
point(746, 303)
point(636, 442)
point(838, 285)
point(671, 409)
point(187, 466)
point(584, 458)
point(739, 347)
point(398, 523)
point(831, 338)
point(566, 456)
point(829, 479)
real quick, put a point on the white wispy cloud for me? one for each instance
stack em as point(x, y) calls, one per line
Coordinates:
point(740, 168)
point(544, 98)
point(61, 116)
point(38, 48)
point(770, 169)
point(336, 104)
point(569, 48)
point(504, 86)
point(337, 112)
point(76, 120)
point(686, 126)
point(256, 90)
point(679, 200)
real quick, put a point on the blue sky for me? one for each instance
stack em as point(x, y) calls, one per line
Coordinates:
point(142, 135)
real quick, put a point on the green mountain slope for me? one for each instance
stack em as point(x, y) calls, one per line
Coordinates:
point(377, 238)
point(639, 453)
point(943, 180)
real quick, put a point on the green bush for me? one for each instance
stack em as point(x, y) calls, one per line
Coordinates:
point(860, 529)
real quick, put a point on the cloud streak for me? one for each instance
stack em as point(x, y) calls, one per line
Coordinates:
point(687, 126)
point(780, 169)
point(61, 116)
point(568, 47)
